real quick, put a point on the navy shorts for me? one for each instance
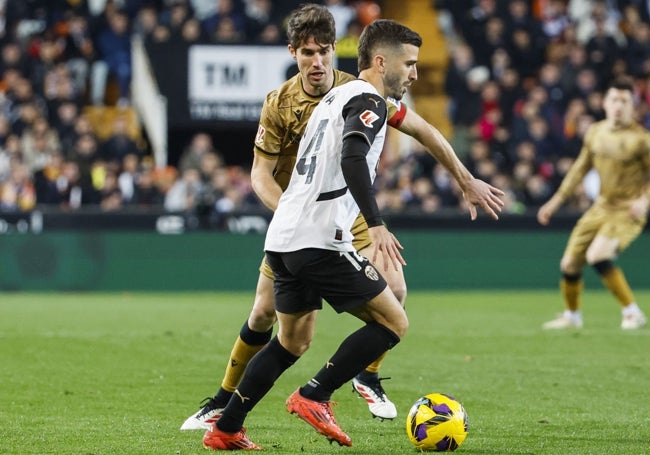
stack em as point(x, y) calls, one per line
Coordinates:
point(302, 278)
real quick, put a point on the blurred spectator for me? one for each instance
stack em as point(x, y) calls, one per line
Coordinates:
point(17, 193)
point(191, 32)
point(258, 15)
point(343, 14)
point(146, 22)
point(46, 181)
point(637, 53)
point(179, 13)
point(78, 50)
point(114, 46)
point(526, 55)
point(602, 51)
point(367, 11)
point(146, 192)
point(200, 145)
point(591, 14)
point(555, 19)
point(39, 143)
point(72, 192)
point(494, 38)
point(462, 61)
point(119, 144)
point(63, 121)
point(12, 57)
point(346, 48)
point(85, 154)
point(270, 34)
point(184, 193)
point(129, 177)
point(226, 24)
point(110, 194)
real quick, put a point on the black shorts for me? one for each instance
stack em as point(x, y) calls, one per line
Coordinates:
point(302, 278)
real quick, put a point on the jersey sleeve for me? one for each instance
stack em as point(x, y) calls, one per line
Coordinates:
point(268, 140)
point(365, 115)
point(580, 167)
point(396, 112)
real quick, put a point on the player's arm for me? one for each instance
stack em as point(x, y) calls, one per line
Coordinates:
point(266, 149)
point(475, 191)
point(363, 120)
point(357, 178)
point(641, 205)
point(264, 185)
point(575, 176)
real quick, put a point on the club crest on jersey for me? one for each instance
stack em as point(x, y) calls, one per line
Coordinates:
point(371, 273)
point(368, 118)
point(259, 138)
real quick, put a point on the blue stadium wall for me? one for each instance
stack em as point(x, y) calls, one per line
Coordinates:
point(215, 261)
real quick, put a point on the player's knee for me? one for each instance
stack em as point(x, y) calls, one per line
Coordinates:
point(262, 316)
point(400, 325)
point(569, 267)
point(595, 257)
point(399, 290)
point(295, 345)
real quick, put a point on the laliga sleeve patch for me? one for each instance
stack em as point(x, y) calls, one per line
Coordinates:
point(259, 138)
point(368, 117)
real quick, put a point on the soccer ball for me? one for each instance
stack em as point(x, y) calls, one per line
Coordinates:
point(437, 422)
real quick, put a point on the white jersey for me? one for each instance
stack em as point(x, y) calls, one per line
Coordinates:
point(317, 210)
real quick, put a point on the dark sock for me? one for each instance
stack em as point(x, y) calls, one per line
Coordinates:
point(221, 398)
point(262, 371)
point(355, 353)
point(366, 376)
point(253, 338)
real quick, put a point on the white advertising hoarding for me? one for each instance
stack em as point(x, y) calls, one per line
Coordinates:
point(231, 82)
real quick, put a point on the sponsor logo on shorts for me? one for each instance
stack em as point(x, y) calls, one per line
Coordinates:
point(371, 273)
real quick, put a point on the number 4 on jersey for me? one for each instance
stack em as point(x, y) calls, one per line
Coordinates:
point(310, 152)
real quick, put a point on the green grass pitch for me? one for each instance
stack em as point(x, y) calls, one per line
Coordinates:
point(117, 373)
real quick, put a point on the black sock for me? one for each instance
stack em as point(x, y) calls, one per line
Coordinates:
point(355, 353)
point(262, 371)
point(366, 376)
point(221, 398)
point(254, 338)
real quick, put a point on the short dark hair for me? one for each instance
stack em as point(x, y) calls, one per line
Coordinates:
point(311, 20)
point(383, 32)
point(622, 83)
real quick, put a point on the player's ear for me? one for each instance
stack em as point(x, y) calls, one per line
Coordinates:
point(334, 47)
point(380, 63)
point(292, 51)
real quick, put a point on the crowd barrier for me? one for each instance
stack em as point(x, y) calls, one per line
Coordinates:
point(163, 252)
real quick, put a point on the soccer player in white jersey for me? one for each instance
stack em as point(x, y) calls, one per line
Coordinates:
point(308, 244)
point(283, 120)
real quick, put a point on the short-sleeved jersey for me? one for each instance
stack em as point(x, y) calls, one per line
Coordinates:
point(284, 117)
point(621, 157)
point(317, 210)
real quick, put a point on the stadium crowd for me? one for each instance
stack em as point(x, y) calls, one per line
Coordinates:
point(524, 81)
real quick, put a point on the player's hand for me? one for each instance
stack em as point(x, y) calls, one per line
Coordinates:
point(478, 192)
point(386, 244)
point(547, 210)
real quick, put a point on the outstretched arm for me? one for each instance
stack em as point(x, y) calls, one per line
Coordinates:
point(475, 191)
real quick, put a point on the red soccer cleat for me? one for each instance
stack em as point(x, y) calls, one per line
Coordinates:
point(318, 415)
point(215, 439)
